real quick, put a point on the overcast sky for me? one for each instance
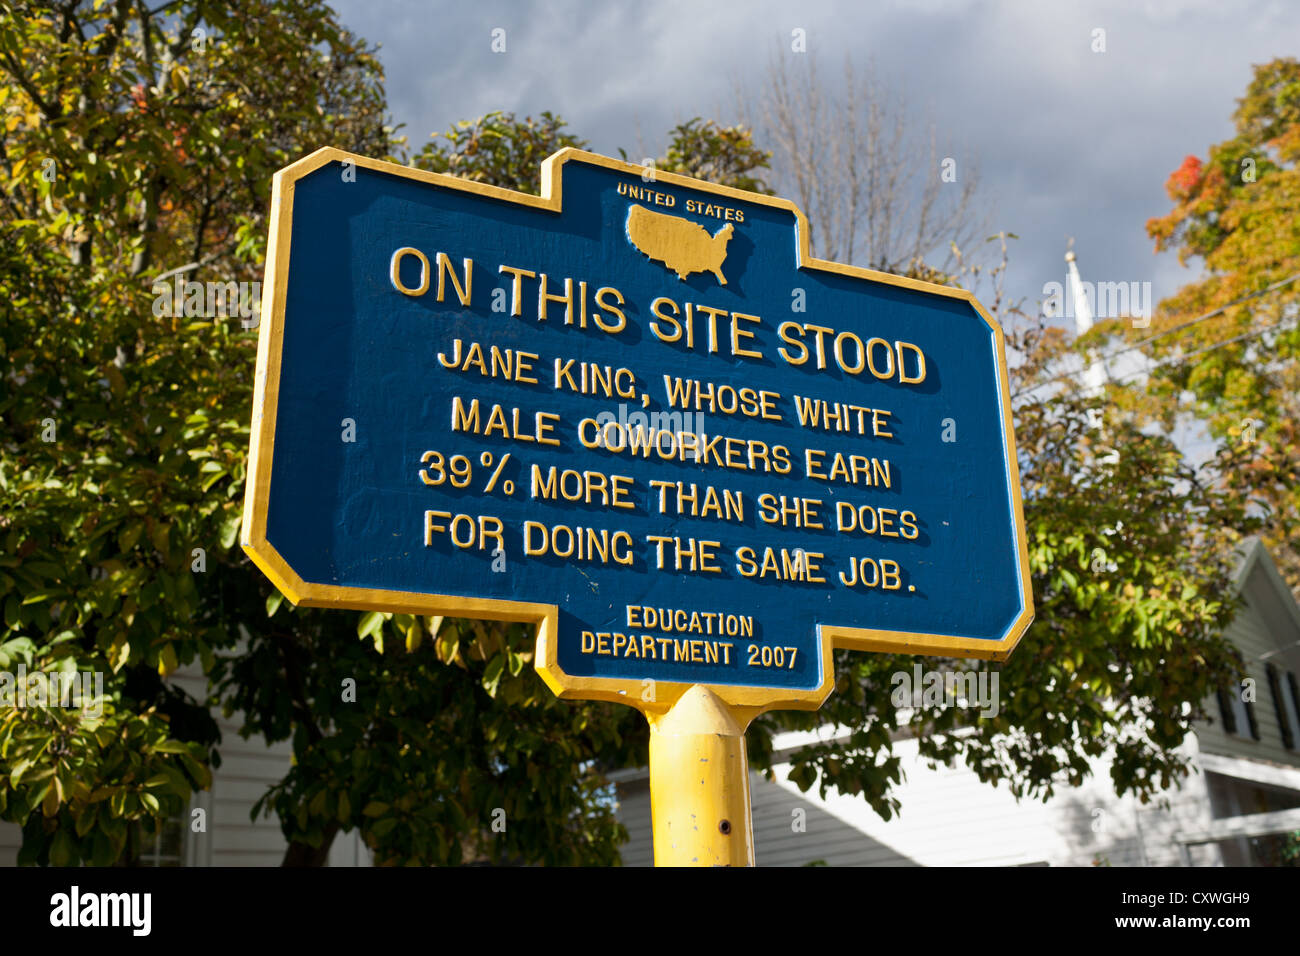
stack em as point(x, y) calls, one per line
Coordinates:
point(1070, 142)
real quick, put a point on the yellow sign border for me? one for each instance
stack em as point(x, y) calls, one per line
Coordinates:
point(751, 700)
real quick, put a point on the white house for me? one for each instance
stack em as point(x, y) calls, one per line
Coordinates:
point(1236, 809)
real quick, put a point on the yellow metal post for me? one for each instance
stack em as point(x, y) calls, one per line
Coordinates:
point(699, 783)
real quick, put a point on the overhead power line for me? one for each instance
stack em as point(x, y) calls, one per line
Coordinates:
point(1107, 356)
point(1179, 359)
point(1201, 318)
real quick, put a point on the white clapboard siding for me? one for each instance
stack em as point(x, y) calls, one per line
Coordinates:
point(634, 813)
point(950, 818)
point(11, 839)
point(1269, 625)
point(248, 768)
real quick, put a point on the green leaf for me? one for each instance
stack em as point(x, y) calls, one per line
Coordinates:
point(102, 851)
point(86, 821)
point(492, 674)
point(130, 535)
point(119, 658)
point(230, 529)
point(20, 767)
point(414, 637)
point(49, 799)
point(62, 849)
point(803, 776)
point(370, 623)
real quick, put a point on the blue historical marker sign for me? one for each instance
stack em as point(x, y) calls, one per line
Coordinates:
point(635, 411)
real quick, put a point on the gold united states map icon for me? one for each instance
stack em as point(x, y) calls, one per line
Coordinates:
point(681, 245)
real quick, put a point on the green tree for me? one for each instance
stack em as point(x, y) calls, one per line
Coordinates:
point(705, 149)
point(498, 149)
point(137, 142)
point(1130, 562)
point(1235, 213)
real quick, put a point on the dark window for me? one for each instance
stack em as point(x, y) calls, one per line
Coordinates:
point(1225, 711)
point(1238, 713)
point(1293, 702)
point(1280, 707)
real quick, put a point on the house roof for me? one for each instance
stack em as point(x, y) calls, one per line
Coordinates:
point(1258, 580)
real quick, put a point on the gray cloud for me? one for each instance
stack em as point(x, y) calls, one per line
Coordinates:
point(1070, 142)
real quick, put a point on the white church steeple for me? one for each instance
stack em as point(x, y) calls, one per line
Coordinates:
point(1093, 377)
